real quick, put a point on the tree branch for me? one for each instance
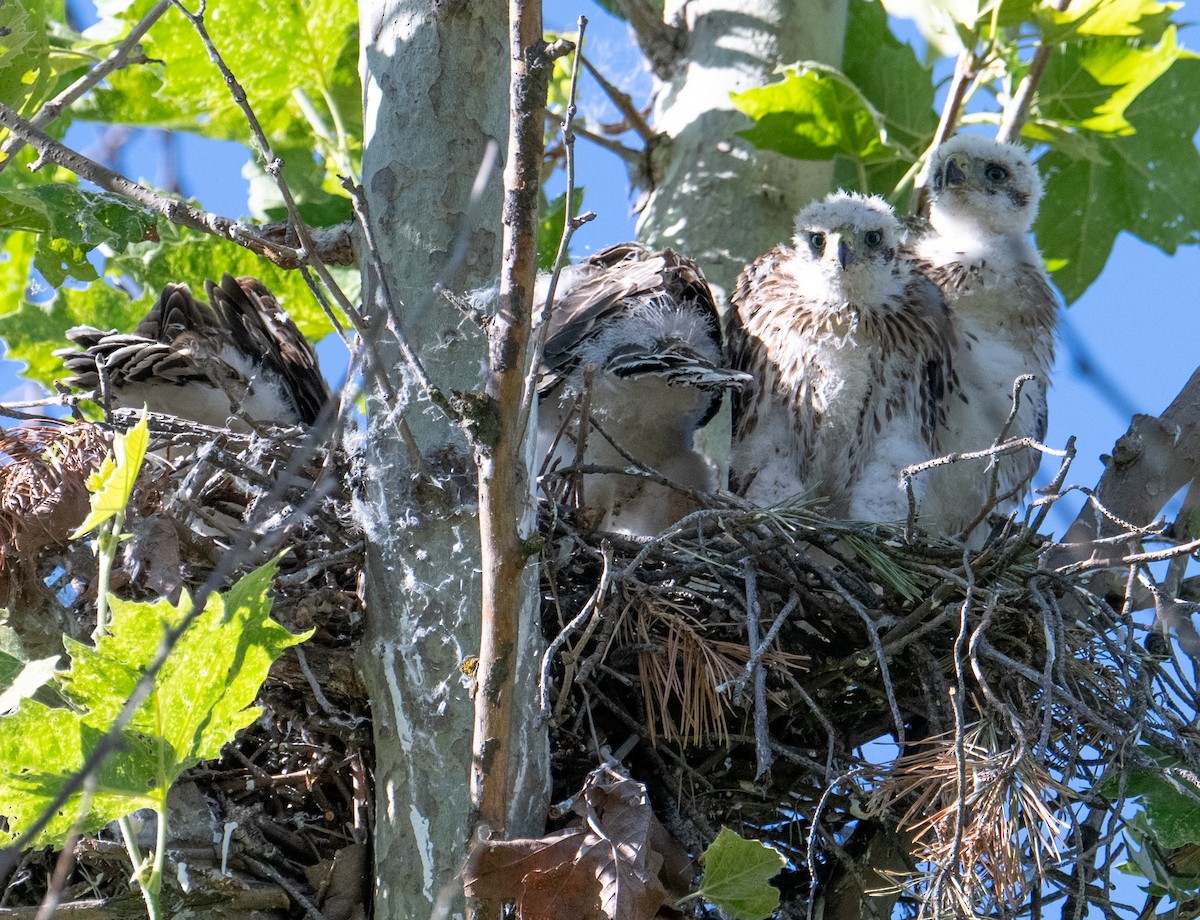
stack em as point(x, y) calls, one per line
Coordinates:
point(570, 224)
point(115, 61)
point(174, 210)
point(660, 42)
point(505, 711)
point(1152, 461)
point(623, 103)
point(1017, 110)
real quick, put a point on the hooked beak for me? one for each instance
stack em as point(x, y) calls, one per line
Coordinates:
point(845, 255)
point(952, 175)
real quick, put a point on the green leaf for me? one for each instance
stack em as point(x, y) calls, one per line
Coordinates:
point(275, 51)
point(1148, 184)
point(70, 223)
point(552, 217)
point(736, 876)
point(887, 72)
point(814, 113)
point(112, 484)
point(1092, 84)
point(1121, 18)
point(24, 55)
point(1172, 811)
point(201, 697)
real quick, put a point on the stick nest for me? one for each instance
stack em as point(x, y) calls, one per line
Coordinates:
point(910, 723)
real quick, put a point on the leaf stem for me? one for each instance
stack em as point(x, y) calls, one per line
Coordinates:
point(107, 541)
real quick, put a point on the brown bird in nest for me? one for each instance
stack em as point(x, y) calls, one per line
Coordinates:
point(238, 363)
point(634, 343)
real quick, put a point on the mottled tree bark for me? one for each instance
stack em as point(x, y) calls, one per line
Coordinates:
point(435, 83)
point(715, 197)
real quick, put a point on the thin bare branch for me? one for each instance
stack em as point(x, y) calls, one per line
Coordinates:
point(570, 224)
point(624, 104)
point(115, 61)
point(174, 210)
point(1017, 110)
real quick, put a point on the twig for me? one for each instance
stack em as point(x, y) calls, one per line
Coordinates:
point(1017, 110)
point(589, 608)
point(964, 72)
point(570, 224)
point(174, 210)
point(623, 103)
point(116, 60)
point(762, 730)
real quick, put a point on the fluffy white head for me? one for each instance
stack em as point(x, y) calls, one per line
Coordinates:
point(978, 183)
point(846, 247)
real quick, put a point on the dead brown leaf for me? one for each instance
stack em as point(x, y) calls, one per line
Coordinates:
point(608, 865)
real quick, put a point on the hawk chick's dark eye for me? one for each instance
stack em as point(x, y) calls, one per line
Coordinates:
point(816, 241)
point(872, 238)
point(996, 173)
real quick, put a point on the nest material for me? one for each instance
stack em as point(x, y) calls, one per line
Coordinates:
point(294, 791)
point(838, 690)
point(898, 717)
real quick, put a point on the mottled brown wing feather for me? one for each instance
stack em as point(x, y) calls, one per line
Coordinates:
point(597, 288)
point(261, 329)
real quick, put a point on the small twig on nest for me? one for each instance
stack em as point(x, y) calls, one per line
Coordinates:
point(592, 605)
point(762, 728)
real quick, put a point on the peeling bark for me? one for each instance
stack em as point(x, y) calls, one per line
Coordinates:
point(435, 83)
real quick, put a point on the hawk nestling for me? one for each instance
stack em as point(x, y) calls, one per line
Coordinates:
point(240, 362)
point(634, 343)
point(984, 197)
point(849, 348)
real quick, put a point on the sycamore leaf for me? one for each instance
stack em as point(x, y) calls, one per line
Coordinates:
point(199, 699)
point(20, 680)
point(1120, 18)
point(275, 50)
point(112, 484)
point(1172, 816)
point(736, 876)
point(814, 113)
point(898, 86)
point(1092, 84)
point(948, 25)
point(24, 55)
point(552, 217)
point(610, 867)
point(1148, 184)
point(70, 223)
point(888, 74)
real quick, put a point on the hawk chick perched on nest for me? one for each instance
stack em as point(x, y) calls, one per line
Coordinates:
point(634, 343)
point(241, 362)
point(984, 198)
point(849, 347)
